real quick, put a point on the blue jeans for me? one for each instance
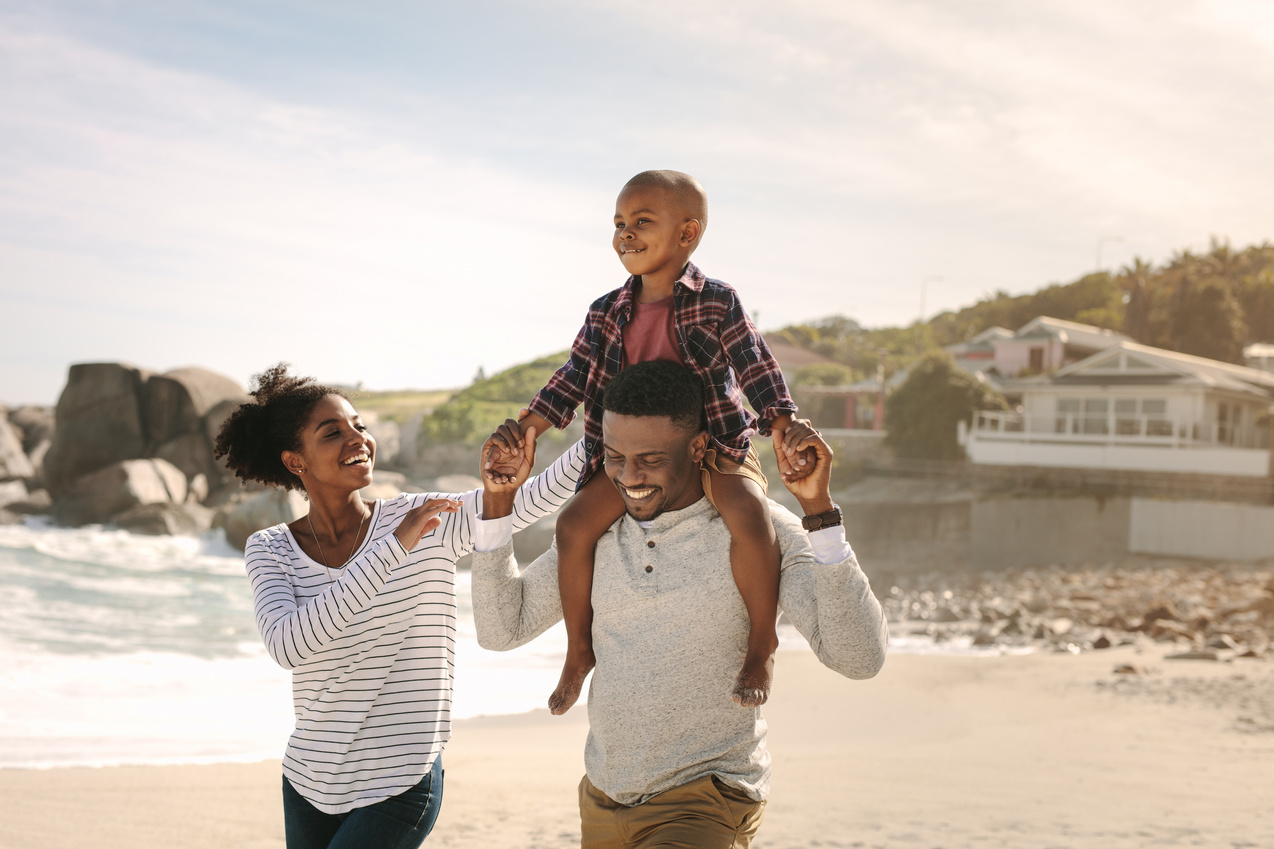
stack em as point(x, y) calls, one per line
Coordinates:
point(399, 822)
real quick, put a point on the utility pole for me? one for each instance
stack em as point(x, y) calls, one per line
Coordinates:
point(1103, 240)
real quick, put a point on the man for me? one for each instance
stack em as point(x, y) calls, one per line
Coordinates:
point(671, 760)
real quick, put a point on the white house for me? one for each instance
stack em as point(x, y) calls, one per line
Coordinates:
point(1041, 346)
point(1136, 408)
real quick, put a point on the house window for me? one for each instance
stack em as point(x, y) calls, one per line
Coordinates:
point(1126, 421)
point(1095, 410)
point(1224, 427)
point(1067, 415)
point(1037, 360)
point(1142, 418)
point(1154, 411)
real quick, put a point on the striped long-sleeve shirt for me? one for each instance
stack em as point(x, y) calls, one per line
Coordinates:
point(371, 646)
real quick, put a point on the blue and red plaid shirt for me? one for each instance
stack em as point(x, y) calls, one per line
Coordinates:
point(718, 342)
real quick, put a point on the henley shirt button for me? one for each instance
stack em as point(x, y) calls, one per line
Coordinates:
point(650, 568)
point(650, 543)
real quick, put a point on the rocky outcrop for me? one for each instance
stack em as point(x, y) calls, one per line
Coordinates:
point(184, 409)
point(156, 519)
point(36, 426)
point(12, 492)
point(242, 519)
point(14, 463)
point(110, 412)
point(132, 447)
point(1225, 609)
point(99, 422)
point(101, 495)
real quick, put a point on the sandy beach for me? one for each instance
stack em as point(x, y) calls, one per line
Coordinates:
point(1040, 750)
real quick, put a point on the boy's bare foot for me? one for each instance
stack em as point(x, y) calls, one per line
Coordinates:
point(576, 668)
point(752, 687)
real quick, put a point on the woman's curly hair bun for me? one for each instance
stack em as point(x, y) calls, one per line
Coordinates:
point(255, 435)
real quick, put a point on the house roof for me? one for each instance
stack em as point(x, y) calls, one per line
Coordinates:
point(791, 357)
point(984, 341)
point(1130, 363)
point(1259, 350)
point(1070, 333)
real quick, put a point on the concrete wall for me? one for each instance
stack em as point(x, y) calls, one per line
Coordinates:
point(901, 537)
point(1245, 462)
point(1021, 532)
point(1208, 530)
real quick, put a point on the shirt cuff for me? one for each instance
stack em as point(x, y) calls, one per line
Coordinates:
point(491, 534)
point(830, 545)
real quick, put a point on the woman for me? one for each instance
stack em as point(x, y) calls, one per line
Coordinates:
point(357, 598)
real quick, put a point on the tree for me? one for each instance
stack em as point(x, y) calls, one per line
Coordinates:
point(1207, 321)
point(921, 414)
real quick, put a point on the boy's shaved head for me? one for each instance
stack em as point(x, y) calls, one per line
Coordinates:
point(687, 192)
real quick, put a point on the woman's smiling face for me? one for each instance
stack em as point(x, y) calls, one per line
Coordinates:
point(336, 448)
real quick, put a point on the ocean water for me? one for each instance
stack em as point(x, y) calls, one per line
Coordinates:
point(118, 648)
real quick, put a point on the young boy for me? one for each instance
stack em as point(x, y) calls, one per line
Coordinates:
point(669, 310)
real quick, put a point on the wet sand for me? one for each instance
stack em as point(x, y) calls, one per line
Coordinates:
point(1043, 750)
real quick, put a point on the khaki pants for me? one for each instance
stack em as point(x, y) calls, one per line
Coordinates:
point(704, 814)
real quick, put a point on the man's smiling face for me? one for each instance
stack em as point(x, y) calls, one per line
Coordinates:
point(653, 462)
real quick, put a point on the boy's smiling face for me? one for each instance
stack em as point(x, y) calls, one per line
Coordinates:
point(653, 235)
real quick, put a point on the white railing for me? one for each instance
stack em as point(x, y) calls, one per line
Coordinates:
point(1112, 429)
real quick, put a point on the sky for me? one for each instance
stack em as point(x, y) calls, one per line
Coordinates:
point(396, 194)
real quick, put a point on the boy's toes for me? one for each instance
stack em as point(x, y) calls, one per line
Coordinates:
point(571, 682)
point(565, 696)
point(749, 696)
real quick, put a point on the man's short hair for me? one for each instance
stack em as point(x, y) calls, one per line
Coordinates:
point(658, 388)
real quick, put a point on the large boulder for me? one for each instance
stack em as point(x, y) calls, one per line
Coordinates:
point(177, 401)
point(241, 519)
point(99, 422)
point(158, 519)
point(12, 492)
point(184, 410)
point(14, 462)
point(192, 453)
point(105, 493)
point(36, 424)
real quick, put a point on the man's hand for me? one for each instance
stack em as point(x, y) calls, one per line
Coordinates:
point(505, 466)
point(811, 483)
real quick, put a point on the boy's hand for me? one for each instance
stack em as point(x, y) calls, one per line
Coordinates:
point(812, 485)
point(794, 463)
point(512, 436)
point(508, 454)
point(504, 471)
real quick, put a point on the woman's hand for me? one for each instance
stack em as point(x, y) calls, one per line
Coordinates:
point(421, 520)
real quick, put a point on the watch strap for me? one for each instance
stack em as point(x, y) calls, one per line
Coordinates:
point(817, 522)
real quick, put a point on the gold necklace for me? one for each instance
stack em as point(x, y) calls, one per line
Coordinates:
point(352, 547)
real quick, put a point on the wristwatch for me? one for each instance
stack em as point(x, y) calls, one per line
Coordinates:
point(830, 519)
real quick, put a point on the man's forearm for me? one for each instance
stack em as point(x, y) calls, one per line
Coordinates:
point(830, 603)
point(512, 608)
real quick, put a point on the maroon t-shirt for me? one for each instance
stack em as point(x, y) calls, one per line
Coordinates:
point(650, 335)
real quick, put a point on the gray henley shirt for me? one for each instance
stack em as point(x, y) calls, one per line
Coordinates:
point(670, 632)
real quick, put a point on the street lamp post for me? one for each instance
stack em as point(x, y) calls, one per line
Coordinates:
point(1103, 240)
point(924, 285)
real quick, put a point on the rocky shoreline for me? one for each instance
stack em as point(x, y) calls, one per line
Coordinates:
point(1204, 611)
